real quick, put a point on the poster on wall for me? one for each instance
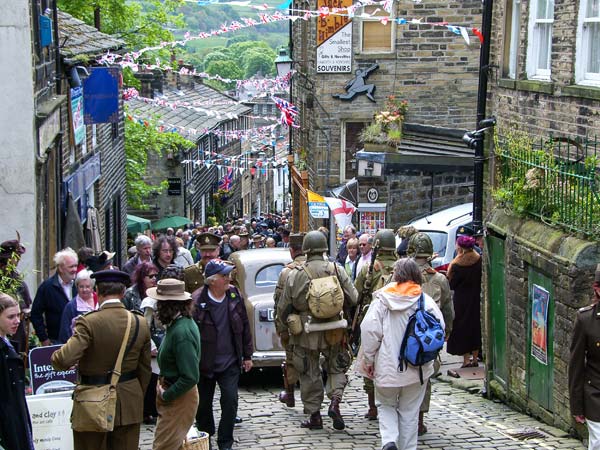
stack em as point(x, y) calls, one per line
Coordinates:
point(77, 115)
point(539, 323)
point(371, 221)
point(334, 39)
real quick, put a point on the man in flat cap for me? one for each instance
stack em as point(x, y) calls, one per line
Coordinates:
point(13, 283)
point(193, 275)
point(290, 375)
point(95, 346)
point(258, 241)
point(244, 238)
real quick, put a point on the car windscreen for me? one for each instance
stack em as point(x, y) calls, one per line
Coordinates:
point(268, 276)
point(439, 239)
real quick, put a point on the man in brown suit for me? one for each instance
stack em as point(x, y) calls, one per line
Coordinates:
point(95, 345)
point(209, 249)
point(584, 366)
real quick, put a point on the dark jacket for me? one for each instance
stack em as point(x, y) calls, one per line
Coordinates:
point(48, 305)
point(584, 364)
point(66, 321)
point(15, 426)
point(238, 320)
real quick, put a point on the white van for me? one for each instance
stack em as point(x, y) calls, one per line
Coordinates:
point(441, 226)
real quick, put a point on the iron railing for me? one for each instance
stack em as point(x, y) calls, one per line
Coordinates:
point(556, 180)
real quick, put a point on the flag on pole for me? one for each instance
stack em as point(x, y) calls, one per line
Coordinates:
point(342, 211)
point(227, 180)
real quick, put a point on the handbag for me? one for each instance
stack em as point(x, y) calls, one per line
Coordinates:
point(94, 407)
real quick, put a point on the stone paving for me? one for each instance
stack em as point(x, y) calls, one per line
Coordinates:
point(458, 420)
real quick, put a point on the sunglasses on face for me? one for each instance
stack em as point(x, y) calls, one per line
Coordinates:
point(153, 276)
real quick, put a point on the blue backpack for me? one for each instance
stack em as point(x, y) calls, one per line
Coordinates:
point(423, 339)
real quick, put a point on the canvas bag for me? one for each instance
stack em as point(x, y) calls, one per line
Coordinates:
point(423, 339)
point(325, 296)
point(94, 407)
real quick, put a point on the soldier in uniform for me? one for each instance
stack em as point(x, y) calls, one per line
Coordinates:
point(290, 375)
point(95, 345)
point(436, 285)
point(584, 366)
point(383, 268)
point(244, 240)
point(193, 275)
point(308, 347)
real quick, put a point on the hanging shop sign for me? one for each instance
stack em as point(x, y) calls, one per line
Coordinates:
point(101, 93)
point(334, 39)
point(77, 115)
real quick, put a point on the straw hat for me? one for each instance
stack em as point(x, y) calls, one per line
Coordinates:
point(169, 289)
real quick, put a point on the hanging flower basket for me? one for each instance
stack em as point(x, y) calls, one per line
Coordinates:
point(385, 132)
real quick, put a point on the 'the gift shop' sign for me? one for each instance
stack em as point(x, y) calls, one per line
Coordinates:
point(44, 378)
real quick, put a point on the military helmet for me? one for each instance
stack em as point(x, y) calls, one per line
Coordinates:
point(314, 242)
point(385, 240)
point(420, 246)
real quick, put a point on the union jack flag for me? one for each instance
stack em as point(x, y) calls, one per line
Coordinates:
point(289, 111)
point(227, 180)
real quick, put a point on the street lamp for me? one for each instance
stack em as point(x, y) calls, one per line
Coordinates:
point(283, 62)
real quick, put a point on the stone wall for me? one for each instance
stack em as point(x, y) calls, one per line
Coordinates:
point(569, 262)
point(433, 68)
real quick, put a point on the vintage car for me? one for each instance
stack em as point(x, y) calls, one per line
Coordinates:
point(256, 275)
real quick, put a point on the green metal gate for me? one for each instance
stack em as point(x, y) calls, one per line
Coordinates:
point(496, 268)
point(540, 363)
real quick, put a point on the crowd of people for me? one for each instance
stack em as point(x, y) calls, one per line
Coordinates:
point(192, 332)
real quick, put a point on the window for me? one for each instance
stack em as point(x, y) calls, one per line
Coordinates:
point(268, 276)
point(352, 144)
point(511, 38)
point(539, 50)
point(375, 36)
point(587, 68)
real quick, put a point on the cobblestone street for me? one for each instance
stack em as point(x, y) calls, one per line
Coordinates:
point(457, 420)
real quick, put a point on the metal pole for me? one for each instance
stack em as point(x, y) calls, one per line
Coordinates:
point(478, 163)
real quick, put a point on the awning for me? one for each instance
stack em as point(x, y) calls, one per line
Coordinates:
point(171, 222)
point(137, 224)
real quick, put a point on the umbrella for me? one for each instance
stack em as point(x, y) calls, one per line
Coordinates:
point(170, 222)
point(137, 224)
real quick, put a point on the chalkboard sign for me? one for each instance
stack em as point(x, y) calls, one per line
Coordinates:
point(174, 186)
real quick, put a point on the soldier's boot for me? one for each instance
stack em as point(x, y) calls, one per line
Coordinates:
point(287, 397)
point(372, 412)
point(314, 422)
point(335, 414)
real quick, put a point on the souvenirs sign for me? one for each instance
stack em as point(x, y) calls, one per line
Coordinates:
point(334, 39)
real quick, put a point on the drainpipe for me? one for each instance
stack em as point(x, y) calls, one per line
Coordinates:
point(484, 58)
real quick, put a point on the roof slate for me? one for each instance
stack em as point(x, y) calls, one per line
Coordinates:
point(188, 117)
point(78, 38)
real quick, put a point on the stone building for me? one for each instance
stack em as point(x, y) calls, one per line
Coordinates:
point(41, 160)
point(208, 118)
point(541, 236)
point(431, 67)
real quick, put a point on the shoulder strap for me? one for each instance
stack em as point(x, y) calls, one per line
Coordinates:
point(308, 272)
point(116, 373)
point(421, 302)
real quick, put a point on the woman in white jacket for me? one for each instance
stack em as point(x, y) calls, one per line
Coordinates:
point(398, 394)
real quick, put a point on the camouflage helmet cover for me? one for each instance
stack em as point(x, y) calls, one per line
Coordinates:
point(314, 242)
point(406, 231)
point(385, 240)
point(420, 246)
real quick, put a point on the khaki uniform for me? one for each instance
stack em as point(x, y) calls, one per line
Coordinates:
point(437, 287)
point(193, 276)
point(307, 348)
point(584, 364)
point(280, 326)
point(383, 268)
point(95, 346)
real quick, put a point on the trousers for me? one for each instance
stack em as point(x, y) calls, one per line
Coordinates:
point(594, 435)
point(174, 420)
point(228, 381)
point(336, 364)
point(427, 398)
point(398, 409)
point(126, 437)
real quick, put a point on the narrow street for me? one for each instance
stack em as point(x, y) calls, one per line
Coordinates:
point(457, 420)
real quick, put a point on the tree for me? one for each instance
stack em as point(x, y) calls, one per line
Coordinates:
point(225, 69)
point(259, 62)
point(138, 24)
point(140, 140)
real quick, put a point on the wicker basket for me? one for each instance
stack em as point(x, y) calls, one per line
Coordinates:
point(199, 443)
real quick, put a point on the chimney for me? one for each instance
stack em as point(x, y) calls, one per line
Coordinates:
point(157, 81)
point(146, 79)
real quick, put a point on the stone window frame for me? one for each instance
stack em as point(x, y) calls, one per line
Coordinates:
point(391, 24)
point(534, 33)
point(512, 41)
point(584, 37)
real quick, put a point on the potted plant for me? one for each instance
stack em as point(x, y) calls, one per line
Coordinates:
point(386, 129)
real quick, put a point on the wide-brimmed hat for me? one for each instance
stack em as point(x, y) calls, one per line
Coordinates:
point(98, 262)
point(258, 237)
point(169, 289)
point(217, 266)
